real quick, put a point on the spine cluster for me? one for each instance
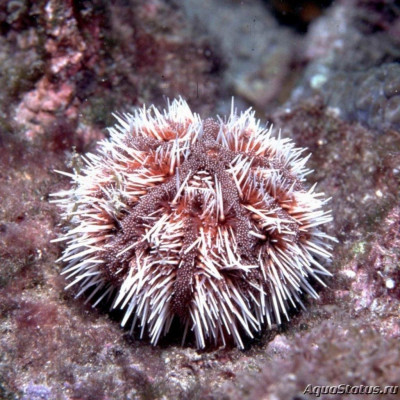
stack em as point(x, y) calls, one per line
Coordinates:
point(206, 221)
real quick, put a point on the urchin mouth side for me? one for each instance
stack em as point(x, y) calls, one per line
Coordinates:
point(208, 221)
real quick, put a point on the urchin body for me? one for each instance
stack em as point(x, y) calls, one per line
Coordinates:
point(205, 221)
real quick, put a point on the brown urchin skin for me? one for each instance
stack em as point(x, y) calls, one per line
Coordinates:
point(205, 155)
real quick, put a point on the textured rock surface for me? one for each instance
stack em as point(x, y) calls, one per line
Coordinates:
point(353, 55)
point(66, 65)
point(257, 52)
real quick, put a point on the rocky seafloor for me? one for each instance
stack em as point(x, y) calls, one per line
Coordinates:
point(328, 77)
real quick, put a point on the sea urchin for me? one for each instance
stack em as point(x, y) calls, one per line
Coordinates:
point(208, 221)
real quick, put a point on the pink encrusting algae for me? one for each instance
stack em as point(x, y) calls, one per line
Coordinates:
point(208, 221)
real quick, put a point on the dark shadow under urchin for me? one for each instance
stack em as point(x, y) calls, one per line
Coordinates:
point(174, 335)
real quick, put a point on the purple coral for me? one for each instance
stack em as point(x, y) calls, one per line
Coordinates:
point(206, 221)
